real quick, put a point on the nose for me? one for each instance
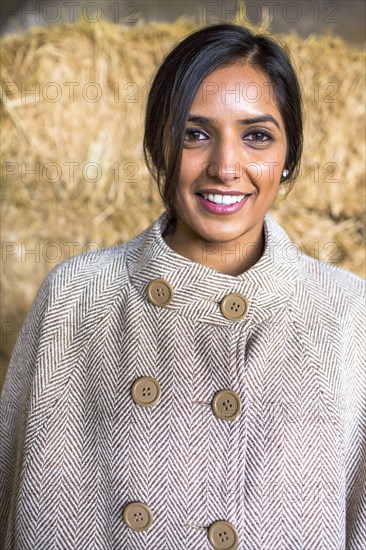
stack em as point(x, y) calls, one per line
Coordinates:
point(225, 161)
point(225, 172)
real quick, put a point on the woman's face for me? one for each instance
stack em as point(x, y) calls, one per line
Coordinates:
point(229, 156)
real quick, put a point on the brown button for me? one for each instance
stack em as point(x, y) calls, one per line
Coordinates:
point(223, 536)
point(226, 404)
point(234, 306)
point(146, 391)
point(137, 516)
point(160, 293)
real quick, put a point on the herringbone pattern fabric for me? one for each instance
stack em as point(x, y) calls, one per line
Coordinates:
point(289, 472)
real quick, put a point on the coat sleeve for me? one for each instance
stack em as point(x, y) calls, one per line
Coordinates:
point(355, 353)
point(14, 403)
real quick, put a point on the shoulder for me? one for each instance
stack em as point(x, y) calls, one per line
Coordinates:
point(337, 288)
point(329, 276)
point(90, 276)
point(96, 264)
point(316, 280)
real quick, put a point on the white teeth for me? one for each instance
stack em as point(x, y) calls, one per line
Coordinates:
point(226, 199)
point(223, 199)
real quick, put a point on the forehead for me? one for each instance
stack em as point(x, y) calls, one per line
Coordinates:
point(236, 87)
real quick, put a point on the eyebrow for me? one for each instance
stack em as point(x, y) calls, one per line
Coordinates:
point(243, 121)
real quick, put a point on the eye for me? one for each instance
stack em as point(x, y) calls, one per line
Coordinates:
point(263, 136)
point(194, 134)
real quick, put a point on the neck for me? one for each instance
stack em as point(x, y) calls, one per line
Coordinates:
point(229, 257)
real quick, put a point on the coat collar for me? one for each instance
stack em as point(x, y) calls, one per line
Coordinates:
point(199, 289)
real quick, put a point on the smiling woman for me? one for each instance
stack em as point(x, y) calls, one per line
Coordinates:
point(202, 385)
point(232, 128)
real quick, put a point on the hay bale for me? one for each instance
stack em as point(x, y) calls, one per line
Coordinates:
point(73, 171)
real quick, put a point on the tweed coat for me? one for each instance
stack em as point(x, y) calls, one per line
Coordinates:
point(288, 472)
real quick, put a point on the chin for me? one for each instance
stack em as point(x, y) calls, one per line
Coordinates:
point(217, 235)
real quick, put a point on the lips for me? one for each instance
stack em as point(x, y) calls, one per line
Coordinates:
point(220, 208)
point(222, 199)
point(227, 197)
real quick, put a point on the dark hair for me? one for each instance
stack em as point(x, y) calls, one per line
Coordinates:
point(178, 79)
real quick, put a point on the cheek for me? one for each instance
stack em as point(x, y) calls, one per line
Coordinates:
point(267, 170)
point(191, 168)
point(264, 173)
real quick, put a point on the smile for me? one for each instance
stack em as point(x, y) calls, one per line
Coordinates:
point(223, 199)
point(222, 204)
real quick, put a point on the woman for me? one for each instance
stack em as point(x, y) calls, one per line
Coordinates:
point(203, 385)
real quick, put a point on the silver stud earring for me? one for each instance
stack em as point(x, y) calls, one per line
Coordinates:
point(285, 173)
